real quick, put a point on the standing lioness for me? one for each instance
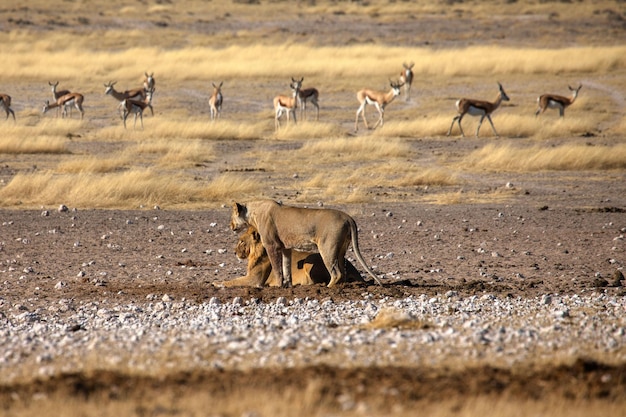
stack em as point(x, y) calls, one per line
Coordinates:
point(283, 228)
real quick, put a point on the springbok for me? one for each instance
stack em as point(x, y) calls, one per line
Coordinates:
point(478, 108)
point(5, 102)
point(406, 77)
point(554, 101)
point(68, 100)
point(312, 95)
point(56, 94)
point(287, 104)
point(215, 102)
point(120, 96)
point(378, 99)
point(149, 83)
point(137, 107)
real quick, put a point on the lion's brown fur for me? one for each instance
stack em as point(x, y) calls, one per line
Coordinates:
point(284, 229)
point(306, 268)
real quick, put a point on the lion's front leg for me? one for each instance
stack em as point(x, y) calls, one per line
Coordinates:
point(275, 253)
point(287, 280)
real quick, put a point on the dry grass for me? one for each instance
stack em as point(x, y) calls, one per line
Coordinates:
point(392, 318)
point(310, 400)
point(539, 158)
point(14, 143)
point(128, 189)
point(181, 139)
point(83, 64)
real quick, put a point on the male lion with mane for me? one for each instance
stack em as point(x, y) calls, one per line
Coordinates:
point(284, 228)
point(306, 268)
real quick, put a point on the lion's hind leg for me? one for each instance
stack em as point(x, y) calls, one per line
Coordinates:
point(333, 256)
point(336, 268)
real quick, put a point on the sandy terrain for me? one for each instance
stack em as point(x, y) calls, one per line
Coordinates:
point(543, 233)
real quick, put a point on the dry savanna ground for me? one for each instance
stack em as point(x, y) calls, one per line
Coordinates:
point(181, 161)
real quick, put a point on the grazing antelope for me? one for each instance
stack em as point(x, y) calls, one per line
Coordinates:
point(554, 101)
point(378, 99)
point(406, 77)
point(312, 95)
point(215, 102)
point(286, 104)
point(137, 107)
point(478, 108)
point(120, 96)
point(68, 100)
point(56, 94)
point(149, 83)
point(5, 102)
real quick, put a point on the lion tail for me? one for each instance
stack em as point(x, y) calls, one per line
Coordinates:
point(355, 246)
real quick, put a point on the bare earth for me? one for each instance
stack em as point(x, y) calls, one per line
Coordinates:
point(553, 234)
point(534, 245)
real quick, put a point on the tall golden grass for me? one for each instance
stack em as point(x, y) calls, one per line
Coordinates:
point(128, 189)
point(12, 143)
point(539, 158)
point(180, 142)
point(42, 60)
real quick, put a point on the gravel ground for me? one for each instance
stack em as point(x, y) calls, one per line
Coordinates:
point(515, 288)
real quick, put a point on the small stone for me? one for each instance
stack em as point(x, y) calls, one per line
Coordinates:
point(63, 208)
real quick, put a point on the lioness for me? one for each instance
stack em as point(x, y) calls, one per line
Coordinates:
point(283, 228)
point(307, 268)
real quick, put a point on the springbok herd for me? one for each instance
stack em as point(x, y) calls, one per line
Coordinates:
point(135, 101)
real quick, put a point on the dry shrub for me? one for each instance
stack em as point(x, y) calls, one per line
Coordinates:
point(538, 158)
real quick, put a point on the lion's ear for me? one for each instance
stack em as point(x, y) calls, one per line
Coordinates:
point(256, 236)
point(240, 209)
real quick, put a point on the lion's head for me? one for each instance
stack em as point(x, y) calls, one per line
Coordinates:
point(249, 245)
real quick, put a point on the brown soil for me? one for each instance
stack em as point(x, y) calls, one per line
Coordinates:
point(540, 250)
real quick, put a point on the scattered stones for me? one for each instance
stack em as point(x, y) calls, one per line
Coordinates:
point(303, 331)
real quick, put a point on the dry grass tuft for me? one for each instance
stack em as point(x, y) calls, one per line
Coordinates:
point(15, 143)
point(363, 148)
point(176, 153)
point(392, 318)
point(93, 165)
point(306, 130)
point(129, 189)
point(495, 157)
